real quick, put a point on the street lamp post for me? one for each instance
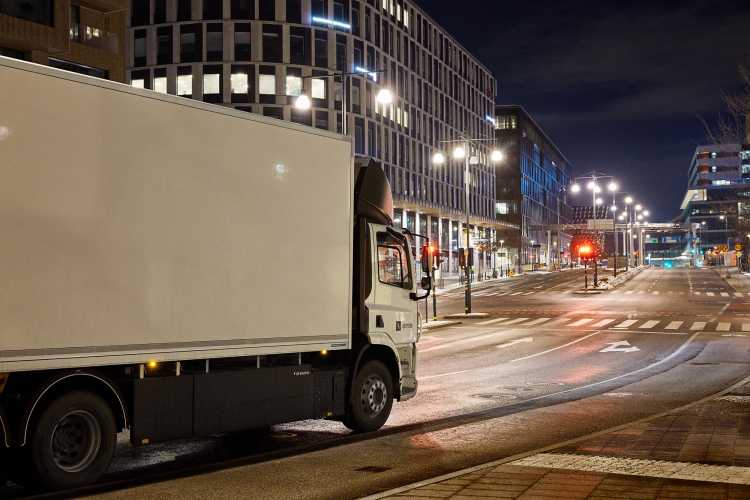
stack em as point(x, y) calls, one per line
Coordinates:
point(613, 187)
point(726, 236)
point(595, 201)
point(502, 258)
point(462, 152)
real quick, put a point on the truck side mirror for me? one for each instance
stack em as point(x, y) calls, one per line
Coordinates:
point(426, 259)
point(426, 283)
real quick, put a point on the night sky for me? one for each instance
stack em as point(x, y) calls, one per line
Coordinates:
point(617, 85)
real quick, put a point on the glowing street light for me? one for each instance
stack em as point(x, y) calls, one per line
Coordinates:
point(612, 187)
point(303, 102)
point(497, 156)
point(628, 200)
point(384, 96)
point(575, 188)
point(591, 185)
point(638, 207)
point(438, 158)
point(459, 153)
point(599, 201)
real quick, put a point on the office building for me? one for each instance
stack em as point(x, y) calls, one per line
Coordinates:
point(86, 37)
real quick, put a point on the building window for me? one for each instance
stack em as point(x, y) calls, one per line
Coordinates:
point(341, 53)
point(267, 84)
point(184, 10)
point(274, 112)
point(501, 208)
point(138, 11)
point(341, 10)
point(139, 48)
point(293, 82)
point(212, 84)
point(267, 10)
point(299, 47)
point(243, 9)
point(160, 80)
point(139, 79)
point(242, 42)
point(243, 78)
point(318, 88)
point(294, 11)
point(75, 23)
point(319, 8)
point(214, 42)
point(272, 49)
point(164, 45)
point(184, 81)
point(160, 11)
point(359, 136)
point(212, 9)
point(321, 119)
point(191, 43)
point(321, 49)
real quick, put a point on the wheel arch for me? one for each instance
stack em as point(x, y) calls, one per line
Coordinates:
point(67, 382)
point(388, 356)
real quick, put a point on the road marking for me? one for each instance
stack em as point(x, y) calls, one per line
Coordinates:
point(710, 294)
point(527, 293)
point(738, 294)
point(554, 348)
point(746, 327)
point(626, 323)
point(674, 325)
point(536, 322)
point(655, 293)
point(524, 340)
point(442, 375)
point(502, 294)
point(603, 323)
point(724, 294)
point(516, 293)
point(734, 335)
point(581, 322)
point(491, 321)
point(728, 474)
point(515, 321)
point(629, 292)
point(723, 327)
point(463, 341)
point(621, 346)
point(697, 293)
point(698, 325)
point(649, 324)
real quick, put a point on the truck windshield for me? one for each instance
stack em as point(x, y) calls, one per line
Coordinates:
point(393, 261)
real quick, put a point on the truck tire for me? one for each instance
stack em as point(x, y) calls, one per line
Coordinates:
point(370, 399)
point(72, 442)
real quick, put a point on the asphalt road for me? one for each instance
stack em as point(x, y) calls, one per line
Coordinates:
point(545, 366)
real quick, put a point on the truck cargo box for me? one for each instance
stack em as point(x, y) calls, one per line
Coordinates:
point(138, 226)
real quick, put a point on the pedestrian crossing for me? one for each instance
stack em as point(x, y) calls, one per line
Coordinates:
point(493, 292)
point(641, 324)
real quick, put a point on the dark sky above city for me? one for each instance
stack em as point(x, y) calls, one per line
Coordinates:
point(618, 86)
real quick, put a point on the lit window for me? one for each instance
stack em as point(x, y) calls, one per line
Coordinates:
point(721, 182)
point(267, 84)
point(385, 4)
point(139, 83)
point(160, 84)
point(406, 18)
point(293, 85)
point(211, 84)
point(406, 119)
point(501, 208)
point(185, 85)
point(239, 83)
point(398, 12)
point(318, 88)
point(96, 32)
point(88, 33)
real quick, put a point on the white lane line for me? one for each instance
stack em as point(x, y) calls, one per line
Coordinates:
point(654, 293)
point(581, 322)
point(536, 322)
point(603, 323)
point(727, 474)
point(649, 324)
point(527, 293)
point(491, 321)
point(514, 342)
point(554, 348)
point(626, 323)
point(723, 327)
point(698, 325)
point(674, 325)
point(502, 294)
point(746, 327)
point(463, 341)
point(515, 321)
point(710, 294)
point(738, 294)
point(724, 294)
point(629, 292)
point(516, 293)
point(697, 293)
point(442, 375)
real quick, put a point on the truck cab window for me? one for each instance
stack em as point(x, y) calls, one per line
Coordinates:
point(393, 263)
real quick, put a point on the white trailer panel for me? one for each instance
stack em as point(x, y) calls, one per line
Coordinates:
point(138, 226)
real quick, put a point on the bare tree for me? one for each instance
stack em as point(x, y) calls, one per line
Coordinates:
point(731, 126)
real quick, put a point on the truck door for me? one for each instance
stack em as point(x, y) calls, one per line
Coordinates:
point(392, 310)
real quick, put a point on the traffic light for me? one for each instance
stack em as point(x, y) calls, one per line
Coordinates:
point(461, 258)
point(426, 258)
point(471, 257)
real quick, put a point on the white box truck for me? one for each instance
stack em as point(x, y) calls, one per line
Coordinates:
point(180, 269)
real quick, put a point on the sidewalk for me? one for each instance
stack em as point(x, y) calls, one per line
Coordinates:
point(701, 452)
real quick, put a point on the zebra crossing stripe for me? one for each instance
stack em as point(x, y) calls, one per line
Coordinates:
point(697, 293)
point(674, 325)
point(655, 293)
point(626, 323)
point(581, 322)
point(723, 327)
point(629, 292)
point(491, 321)
point(603, 323)
point(746, 327)
point(649, 324)
point(516, 293)
point(536, 322)
point(724, 294)
point(698, 325)
point(515, 321)
point(738, 294)
point(710, 294)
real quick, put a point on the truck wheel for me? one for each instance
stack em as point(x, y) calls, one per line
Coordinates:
point(73, 441)
point(371, 398)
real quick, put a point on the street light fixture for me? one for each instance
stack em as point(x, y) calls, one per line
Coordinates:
point(384, 96)
point(303, 102)
point(460, 153)
point(628, 200)
point(612, 187)
point(575, 188)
